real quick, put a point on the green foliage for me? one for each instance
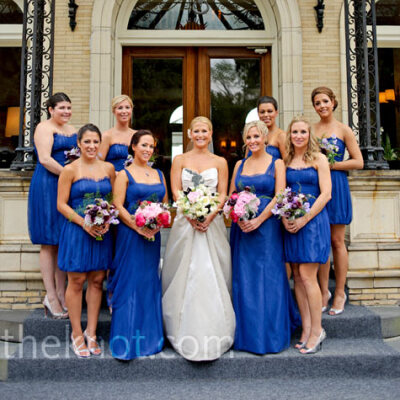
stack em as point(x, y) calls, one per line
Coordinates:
point(390, 154)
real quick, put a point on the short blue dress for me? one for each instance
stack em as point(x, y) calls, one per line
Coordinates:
point(266, 314)
point(272, 150)
point(78, 251)
point(311, 244)
point(136, 324)
point(339, 207)
point(44, 221)
point(117, 155)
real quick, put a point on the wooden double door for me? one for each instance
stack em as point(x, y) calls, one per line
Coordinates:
point(172, 85)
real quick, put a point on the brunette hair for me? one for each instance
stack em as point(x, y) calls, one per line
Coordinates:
point(328, 92)
point(267, 100)
point(119, 99)
point(136, 139)
point(54, 99)
point(312, 150)
point(88, 127)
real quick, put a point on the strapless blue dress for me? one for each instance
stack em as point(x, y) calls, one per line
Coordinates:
point(136, 324)
point(339, 207)
point(272, 150)
point(44, 221)
point(117, 154)
point(311, 244)
point(78, 251)
point(266, 314)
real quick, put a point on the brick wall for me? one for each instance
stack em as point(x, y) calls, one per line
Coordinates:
point(72, 58)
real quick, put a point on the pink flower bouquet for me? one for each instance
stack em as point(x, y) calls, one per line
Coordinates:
point(152, 215)
point(101, 213)
point(241, 206)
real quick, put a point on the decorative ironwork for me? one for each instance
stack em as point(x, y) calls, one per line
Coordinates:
point(319, 10)
point(72, 7)
point(36, 75)
point(362, 80)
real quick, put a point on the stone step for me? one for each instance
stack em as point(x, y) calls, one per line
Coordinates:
point(52, 360)
point(355, 322)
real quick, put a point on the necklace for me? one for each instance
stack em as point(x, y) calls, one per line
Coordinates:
point(144, 169)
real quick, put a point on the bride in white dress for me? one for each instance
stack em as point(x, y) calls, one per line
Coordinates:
point(196, 275)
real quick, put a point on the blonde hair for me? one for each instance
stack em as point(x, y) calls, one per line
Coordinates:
point(312, 150)
point(259, 125)
point(119, 99)
point(203, 120)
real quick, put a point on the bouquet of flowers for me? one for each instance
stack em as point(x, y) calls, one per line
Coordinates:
point(198, 202)
point(72, 155)
point(128, 161)
point(100, 213)
point(290, 204)
point(329, 148)
point(241, 206)
point(152, 215)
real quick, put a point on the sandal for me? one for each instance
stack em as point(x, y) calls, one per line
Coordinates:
point(95, 350)
point(81, 351)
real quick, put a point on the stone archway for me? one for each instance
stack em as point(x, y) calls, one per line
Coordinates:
point(105, 46)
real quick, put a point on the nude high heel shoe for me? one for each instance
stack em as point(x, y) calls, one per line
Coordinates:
point(54, 315)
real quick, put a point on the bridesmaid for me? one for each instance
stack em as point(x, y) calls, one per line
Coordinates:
point(265, 312)
point(339, 208)
point(136, 325)
point(81, 255)
point(115, 143)
point(307, 239)
point(51, 138)
point(267, 108)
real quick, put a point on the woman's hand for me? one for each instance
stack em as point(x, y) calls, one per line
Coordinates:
point(96, 230)
point(202, 226)
point(250, 225)
point(144, 231)
point(293, 226)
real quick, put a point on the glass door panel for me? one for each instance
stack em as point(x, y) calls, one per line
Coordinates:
point(157, 94)
point(235, 85)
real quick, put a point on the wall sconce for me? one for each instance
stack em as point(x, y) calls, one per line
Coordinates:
point(233, 144)
point(72, 6)
point(223, 144)
point(12, 122)
point(390, 95)
point(319, 10)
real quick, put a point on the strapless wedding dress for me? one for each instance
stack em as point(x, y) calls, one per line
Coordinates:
point(196, 280)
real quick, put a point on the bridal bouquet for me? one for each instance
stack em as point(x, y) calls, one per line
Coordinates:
point(290, 204)
point(196, 203)
point(152, 215)
point(241, 206)
point(72, 155)
point(100, 213)
point(329, 148)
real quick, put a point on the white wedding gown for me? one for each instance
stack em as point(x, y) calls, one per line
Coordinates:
point(196, 281)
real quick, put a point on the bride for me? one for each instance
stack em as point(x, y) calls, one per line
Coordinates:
point(196, 275)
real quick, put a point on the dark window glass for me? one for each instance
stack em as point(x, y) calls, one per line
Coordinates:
point(388, 12)
point(196, 15)
point(10, 13)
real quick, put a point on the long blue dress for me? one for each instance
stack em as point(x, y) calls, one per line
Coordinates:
point(311, 244)
point(339, 207)
point(117, 154)
point(266, 314)
point(78, 251)
point(44, 221)
point(136, 324)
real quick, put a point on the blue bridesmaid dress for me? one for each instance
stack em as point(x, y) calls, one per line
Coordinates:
point(272, 150)
point(311, 244)
point(136, 324)
point(339, 207)
point(117, 154)
point(266, 314)
point(78, 251)
point(44, 221)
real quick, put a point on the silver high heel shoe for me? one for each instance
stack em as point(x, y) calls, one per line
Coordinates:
point(318, 345)
point(325, 308)
point(54, 315)
point(337, 311)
